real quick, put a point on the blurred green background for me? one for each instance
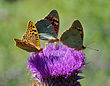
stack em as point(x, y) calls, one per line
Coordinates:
point(94, 16)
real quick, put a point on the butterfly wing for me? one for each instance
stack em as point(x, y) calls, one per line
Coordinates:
point(30, 40)
point(73, 37)
point(32, 35)
point(77, 25)
point(26, 46)
point(53, 17)
point(46, 30)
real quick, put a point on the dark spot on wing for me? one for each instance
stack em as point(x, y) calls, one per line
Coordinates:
point(35, 34)
point(32, 33)
point(34, 30)
point(31, 25)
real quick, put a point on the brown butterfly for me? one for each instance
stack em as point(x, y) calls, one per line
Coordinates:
point(73, 37)
point(30, 41)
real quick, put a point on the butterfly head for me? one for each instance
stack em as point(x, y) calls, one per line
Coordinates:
point(53, 40)
point(39, 48)
point(84, 47)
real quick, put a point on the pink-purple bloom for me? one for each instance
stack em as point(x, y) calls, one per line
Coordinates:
point(57, 60)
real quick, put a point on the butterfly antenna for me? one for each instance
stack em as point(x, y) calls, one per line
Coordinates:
point(90, 47)
point(93, 49)
point(90, 43)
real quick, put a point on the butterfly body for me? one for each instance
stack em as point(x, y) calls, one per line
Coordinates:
point(30, 41)
point(53, 40)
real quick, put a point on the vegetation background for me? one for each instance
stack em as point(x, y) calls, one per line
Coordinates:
point(94, 16)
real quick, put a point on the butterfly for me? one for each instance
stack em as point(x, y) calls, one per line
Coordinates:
point(48, 30)
point(30, 41)
point(73, 37)
point(48, 27)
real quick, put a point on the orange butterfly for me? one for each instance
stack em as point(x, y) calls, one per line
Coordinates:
point(30, 40)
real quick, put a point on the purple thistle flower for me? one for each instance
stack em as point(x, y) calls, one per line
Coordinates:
point(57, 65)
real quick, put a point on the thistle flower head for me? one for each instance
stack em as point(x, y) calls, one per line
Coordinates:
point(56, 60)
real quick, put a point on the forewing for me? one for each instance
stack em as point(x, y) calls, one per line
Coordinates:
point(53, 17)
point(72, 38)
point(45, 30)
point(77, 25)
point(32, 35)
